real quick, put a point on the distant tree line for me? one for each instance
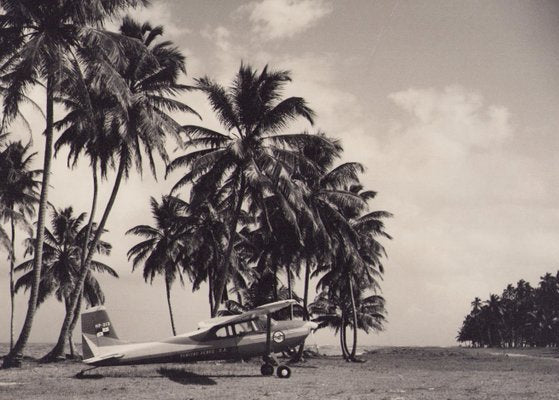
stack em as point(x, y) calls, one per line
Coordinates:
point(523, 316)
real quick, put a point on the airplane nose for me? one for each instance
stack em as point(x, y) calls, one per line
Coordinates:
point(311, 325)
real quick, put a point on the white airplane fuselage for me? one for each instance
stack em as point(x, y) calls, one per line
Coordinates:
point(237, 340)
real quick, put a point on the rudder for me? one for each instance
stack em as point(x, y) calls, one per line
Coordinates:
point(97, 331)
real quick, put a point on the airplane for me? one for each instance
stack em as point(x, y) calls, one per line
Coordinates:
point(251, 334)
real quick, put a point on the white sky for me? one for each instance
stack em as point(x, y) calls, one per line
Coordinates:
point(452, 107)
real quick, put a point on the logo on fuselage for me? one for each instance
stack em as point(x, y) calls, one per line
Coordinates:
point(278, 336)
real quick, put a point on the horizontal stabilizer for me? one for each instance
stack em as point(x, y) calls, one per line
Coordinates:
point(95, 360)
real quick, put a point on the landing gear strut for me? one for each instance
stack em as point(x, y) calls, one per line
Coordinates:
point(267, 369)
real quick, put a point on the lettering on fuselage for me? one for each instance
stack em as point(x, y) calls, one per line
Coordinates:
point(207, 353)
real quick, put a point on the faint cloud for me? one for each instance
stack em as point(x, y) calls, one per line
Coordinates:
point(455, 115)
point(220, 36)
point(279, 19)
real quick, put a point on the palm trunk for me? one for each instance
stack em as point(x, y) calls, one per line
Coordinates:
point(58, 349)
point(91, 215)
point(77, 313)
point(306, 292)
point(275, 282)
point(343, 345)
point(168, 290)
point(227, 259)
point(70, 341)
point(354, 315)
point(12, 291)
point(210, 294)
point(290, 290)
point(13, 359)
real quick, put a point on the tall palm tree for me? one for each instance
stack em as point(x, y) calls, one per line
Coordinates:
point(250, 157)
point(18, 196)
point(356, 256)
point(151, 75)
point(61, 262)
point(37, 38)
point(160, 253)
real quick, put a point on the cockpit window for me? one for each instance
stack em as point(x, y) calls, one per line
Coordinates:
point(244, 328)
point(223, 332)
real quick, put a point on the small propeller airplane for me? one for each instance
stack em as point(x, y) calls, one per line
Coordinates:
point(251, 334)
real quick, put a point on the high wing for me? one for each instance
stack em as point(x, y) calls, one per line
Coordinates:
point(264, 309)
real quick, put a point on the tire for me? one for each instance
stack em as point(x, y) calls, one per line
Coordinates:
point(283, 372)
point(267, 370)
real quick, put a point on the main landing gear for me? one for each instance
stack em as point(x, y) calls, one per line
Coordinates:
point(267, 369)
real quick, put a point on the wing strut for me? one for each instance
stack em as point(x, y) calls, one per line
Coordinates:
point(268, 335)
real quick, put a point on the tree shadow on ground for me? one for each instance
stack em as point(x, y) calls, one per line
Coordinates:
point(185, 377)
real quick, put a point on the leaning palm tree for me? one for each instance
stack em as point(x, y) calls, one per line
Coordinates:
point(37, 37)
point(250, 157)
point(161, 251)
point(18, 196)
point(151, 73)
point(61, 262)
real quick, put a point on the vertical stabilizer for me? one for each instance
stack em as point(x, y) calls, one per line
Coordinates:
point(97, 331)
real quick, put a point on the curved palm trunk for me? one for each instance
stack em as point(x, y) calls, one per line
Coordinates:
point(168, 290)
point(13, 359)
point(73, 326)
point(77, 310)
point(222, 276)
point(58, 349)
point(12, 291)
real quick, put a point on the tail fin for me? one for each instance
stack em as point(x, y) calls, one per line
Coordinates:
point(97, 331)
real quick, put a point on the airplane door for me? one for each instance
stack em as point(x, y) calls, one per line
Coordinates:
point(225, 343)
point(250, 341)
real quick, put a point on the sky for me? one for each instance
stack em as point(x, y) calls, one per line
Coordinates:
point(450, 105)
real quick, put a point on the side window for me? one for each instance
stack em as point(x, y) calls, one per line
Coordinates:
point(243, 328)
point(223, 332)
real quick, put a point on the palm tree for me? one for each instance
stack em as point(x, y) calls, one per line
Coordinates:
point(61, 262)
point(329, 310)
point(37, 38)
point(18, 195)
point(160, 253)
point(151, 74)
point(250, 158)
point(356, 256)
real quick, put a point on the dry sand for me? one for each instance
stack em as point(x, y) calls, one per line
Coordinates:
point(388, 373)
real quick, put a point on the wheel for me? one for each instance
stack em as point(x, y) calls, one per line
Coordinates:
point(283, 371)
point(267, 369)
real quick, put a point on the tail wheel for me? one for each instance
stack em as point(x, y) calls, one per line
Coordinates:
point(283, 371)
point(267, 369)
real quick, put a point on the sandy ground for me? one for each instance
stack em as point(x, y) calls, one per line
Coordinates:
point(388, 374)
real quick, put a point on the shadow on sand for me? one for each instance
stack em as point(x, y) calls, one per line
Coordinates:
point(184, 377)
